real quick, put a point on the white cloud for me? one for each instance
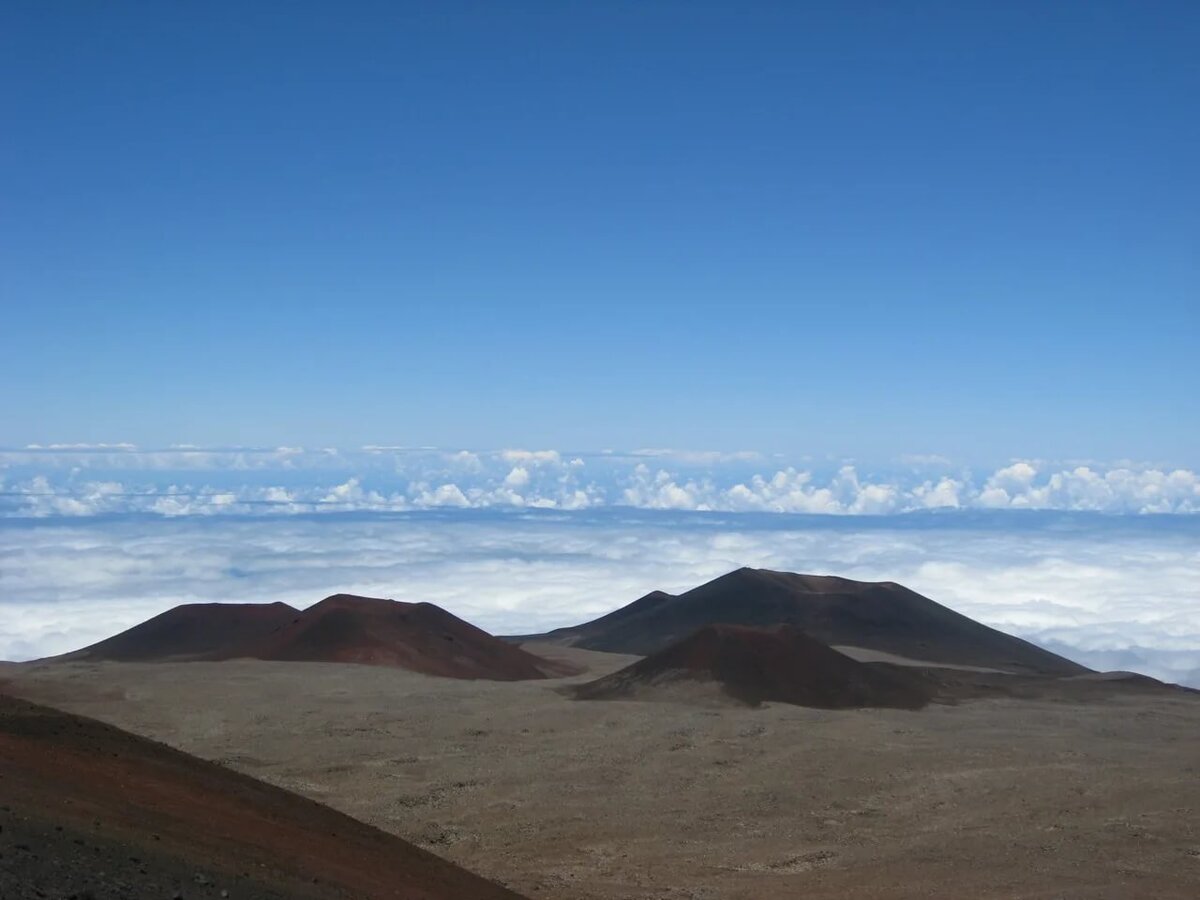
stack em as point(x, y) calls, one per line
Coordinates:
point(176, 482)
point(943, 495)
point(518, 477)
point(787, 491)
point(443, 495)
point(875, 499)
point(349, 491)
point(658, 490)
point(576, 499)
point(465, 460)
point(531, 457)
point(1015, 478)
point(1084, 488)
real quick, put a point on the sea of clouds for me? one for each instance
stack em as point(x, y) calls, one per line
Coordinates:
point(1114, 592)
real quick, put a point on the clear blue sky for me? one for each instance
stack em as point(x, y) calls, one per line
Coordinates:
point(862, 228)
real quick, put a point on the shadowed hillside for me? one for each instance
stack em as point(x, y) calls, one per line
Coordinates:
point(342, 628)
point(753, 665)
point(417, 636)
point(880, 616)
point(194, 631)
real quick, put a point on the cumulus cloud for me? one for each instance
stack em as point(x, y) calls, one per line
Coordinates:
point(1109, 591)
point(787, 491)
point(465, 460)
point(443, 495)
point(658, 490)
point(291, 479)
point(517, 477)
point(351, 496)
point(943, 495)
point(1084, 488)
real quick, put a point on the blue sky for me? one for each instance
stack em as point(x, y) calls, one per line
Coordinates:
point(866, 229)
point(891, 291)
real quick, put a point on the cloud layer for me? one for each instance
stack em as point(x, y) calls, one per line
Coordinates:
point(1109, 591)
point(81, 480)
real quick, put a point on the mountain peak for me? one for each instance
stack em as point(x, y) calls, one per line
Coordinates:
point(881, 616)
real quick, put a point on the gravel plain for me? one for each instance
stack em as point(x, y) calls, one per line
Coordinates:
point(692, 797)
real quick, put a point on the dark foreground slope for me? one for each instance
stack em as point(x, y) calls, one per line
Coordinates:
point(880, 616)
point(344, 628)
point(89, 810)
point(192, 632)
point(754, 665)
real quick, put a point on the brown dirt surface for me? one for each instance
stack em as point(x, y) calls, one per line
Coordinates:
point(754, 665)
point(880, 616)
point(1092, 794)
point(88, 810)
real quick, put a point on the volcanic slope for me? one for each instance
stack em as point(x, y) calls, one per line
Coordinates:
point(880, 616)
point(89, 810)
point(780, 664)
point(195, 631)
point(342, 628)
point(421, 637)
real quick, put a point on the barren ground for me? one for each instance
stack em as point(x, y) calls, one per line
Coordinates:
point(579, 800)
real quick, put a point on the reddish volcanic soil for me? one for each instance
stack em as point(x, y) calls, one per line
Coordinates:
point(342, 628)
point(191, 632)
point(92, 811)
point(880, 616)
point(417, 636)
point(780, 664)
